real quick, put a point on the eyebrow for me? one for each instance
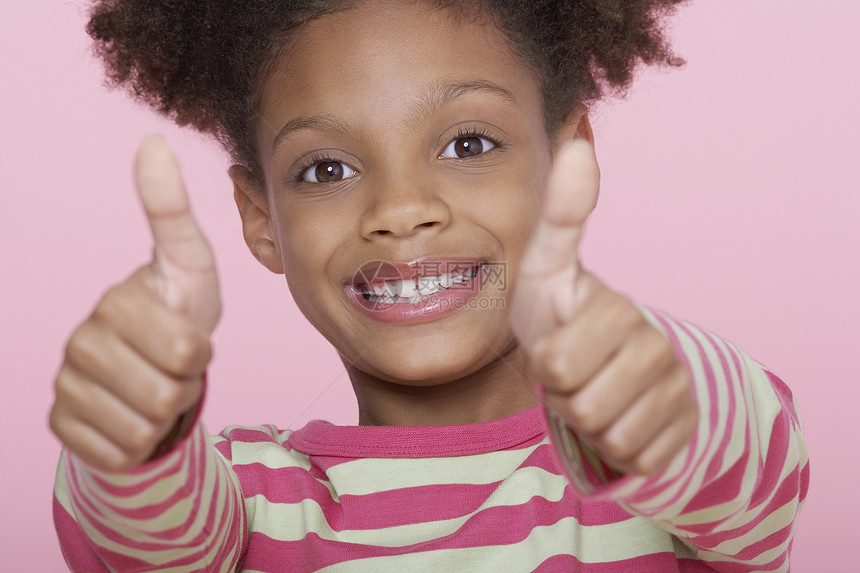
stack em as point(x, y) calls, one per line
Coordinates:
point(435, 98)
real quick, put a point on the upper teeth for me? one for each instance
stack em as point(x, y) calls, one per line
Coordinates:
point(423, 286)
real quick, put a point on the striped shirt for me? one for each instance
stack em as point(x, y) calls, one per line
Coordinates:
point(522, 493)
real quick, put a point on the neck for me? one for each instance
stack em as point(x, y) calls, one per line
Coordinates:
point(497, 390)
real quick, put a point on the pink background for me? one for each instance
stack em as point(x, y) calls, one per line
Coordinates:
point(730, 198)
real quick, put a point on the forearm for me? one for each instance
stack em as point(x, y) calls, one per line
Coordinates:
point(733, 492)
point(184, 509)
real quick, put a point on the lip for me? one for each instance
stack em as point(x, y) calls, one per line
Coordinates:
point(427, 308)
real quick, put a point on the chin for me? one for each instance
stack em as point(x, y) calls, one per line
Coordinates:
point(424, 367)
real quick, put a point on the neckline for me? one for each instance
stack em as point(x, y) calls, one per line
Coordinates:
point(319, 437)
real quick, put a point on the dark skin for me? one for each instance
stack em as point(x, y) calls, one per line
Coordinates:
point(386, 120)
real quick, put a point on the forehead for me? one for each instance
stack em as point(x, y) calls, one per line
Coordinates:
point(378, 57)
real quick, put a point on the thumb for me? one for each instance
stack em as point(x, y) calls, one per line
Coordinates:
point(183, 266)
point(545, 293)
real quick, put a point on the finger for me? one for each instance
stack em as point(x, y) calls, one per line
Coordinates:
point(183, 262)
point(668, 444)
point(106, 359)
point(87, 443)
point(661, 403)
point(167, 339)
point(165, 201)
point(550, 271)
point(634, 370)
point(114, 420)
point(566, 360)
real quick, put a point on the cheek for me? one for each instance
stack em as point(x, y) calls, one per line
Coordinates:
point(307, 243)
point(513, 207)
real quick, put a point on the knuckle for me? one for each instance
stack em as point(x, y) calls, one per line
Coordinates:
point(56, 421)
point(680, 385)
point(587, 417)
point(627, 314)
point(641, 466)
point(617, 445)
point(116, 463)
point(551, 364)
point(65, 387)
point(663, 349)
point(78, 345)
point(189, 352)
point(142, 438)
point(111, 304)
point(166, 402)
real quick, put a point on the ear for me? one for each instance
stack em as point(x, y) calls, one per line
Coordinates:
point(576, 125)
point(256, 223)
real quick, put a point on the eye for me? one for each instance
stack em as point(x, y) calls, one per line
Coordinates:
point(467, 146)
point(327, 172)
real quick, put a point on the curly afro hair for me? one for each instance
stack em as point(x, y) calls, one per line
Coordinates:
point(203, 63)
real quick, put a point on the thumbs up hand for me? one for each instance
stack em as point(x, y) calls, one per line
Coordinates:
point(136, 365)
point(605, 370)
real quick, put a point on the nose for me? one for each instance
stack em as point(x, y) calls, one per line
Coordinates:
point(403, 206)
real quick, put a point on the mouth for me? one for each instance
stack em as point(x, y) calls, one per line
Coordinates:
point(410, 291)
point(413, 283)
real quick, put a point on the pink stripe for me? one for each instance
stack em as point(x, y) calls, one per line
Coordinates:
point(312, 553)
point(783, 393)
point(773, 540)
point(226, 449)
point(786, 492)
point(253, 435)
point(209, 529)
point(767, 481)
point(326, 462)
point(492, 526)
point(804, 482)
point(88, 508)
point(663, 562)
point(739, 372)
point(130, 490)
point(295, 484)
point(660, 482)
point(778, 449)
point(322, 438)
point(719, 491)
point(279, 485)
point(198, 546)
point(74, 544)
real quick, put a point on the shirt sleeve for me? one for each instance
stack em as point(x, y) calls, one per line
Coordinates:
point(181, 512)
point(732, 495)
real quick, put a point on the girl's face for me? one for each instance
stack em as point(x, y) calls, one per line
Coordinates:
point(396, 132)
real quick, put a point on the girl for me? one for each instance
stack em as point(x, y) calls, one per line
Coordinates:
point(420, 172)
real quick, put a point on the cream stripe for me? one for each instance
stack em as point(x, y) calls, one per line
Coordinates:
point(372, 475)
point(777, 520)
point(741, 503)
point(763, 559)
point(734, 450)
point(293, 521)
point(270, 454)
point(767, 405)
point(139, 530)
point(173, 516)
point(737, 434)
point(706, 442)
point(600, 544)
point(61, 488)
point(157, 492)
